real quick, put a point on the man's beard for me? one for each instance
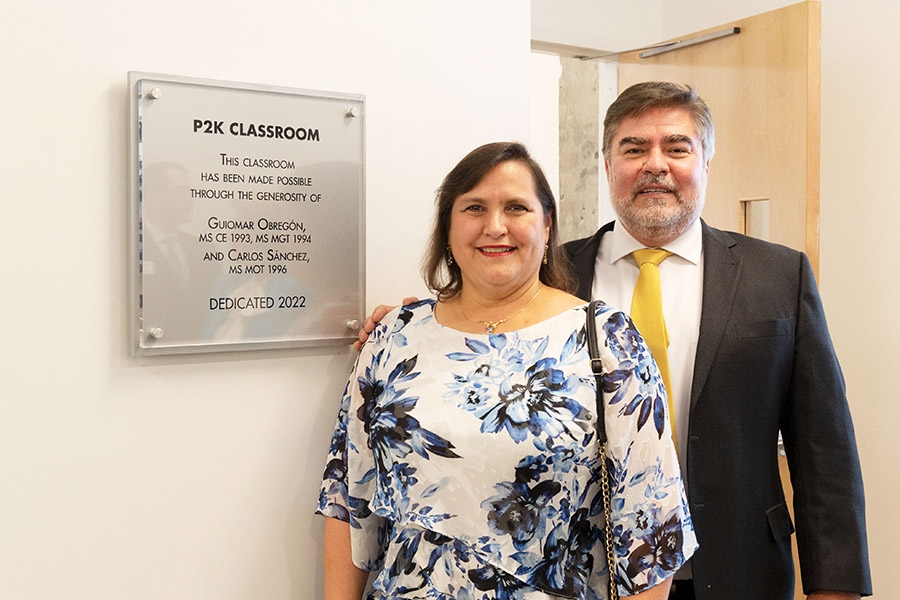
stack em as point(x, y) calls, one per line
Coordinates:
point(658, 223)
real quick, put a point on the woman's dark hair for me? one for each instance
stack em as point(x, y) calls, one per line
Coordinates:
point(444, 279)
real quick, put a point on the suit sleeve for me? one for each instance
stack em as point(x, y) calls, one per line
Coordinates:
point(829, 505)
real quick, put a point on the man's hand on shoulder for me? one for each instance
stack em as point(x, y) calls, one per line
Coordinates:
point(372, 320)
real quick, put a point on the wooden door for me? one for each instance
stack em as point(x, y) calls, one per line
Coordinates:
point(762, 86)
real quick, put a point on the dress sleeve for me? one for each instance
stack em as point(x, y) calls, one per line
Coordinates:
point(652, 529)
point(348, 483)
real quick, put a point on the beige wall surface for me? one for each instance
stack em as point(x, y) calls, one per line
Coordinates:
point(195, 477)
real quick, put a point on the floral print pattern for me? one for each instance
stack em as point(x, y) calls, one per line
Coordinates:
point(468, 465)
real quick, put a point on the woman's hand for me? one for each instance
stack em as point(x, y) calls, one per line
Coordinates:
point(373, 320)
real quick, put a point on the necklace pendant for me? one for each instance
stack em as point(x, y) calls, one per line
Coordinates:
point(489, 326)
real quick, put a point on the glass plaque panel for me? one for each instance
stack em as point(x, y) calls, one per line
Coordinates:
point(247, 216)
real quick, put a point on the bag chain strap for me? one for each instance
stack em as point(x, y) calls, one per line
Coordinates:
point(597, 368)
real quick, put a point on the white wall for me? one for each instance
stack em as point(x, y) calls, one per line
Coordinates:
point(688, 16)
point(859, 236)
point(195, 477)
point(544, 116)
point(859, 219)
point(604, 25)
point(611, 26)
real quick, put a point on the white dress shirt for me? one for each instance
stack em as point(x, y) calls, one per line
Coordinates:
point(681, 275)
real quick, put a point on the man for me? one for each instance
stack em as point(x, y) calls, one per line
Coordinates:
point(749, 356)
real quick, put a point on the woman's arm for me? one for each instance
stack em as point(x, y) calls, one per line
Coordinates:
point(657, 592)
point(343, 579)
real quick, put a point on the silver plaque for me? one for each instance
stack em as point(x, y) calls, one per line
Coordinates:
point(247, 216)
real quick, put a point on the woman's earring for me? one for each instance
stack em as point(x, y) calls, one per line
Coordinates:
point(449, 257)
point(546, 252)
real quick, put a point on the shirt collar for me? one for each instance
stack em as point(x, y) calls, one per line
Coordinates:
point(688, 246)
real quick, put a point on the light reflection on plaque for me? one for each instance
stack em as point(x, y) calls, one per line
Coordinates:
point(247, 216)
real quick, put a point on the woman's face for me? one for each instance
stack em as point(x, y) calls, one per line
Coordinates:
point(498, 230)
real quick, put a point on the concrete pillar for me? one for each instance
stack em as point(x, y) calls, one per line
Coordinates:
point(579, 148)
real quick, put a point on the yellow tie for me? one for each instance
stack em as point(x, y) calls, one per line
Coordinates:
point(647, 314)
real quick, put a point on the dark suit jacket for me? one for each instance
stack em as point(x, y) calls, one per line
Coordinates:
point(765, 363)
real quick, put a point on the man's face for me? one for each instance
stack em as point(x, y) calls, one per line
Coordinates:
point(657, 174)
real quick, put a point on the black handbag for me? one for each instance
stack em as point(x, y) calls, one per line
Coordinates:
point(597, 368)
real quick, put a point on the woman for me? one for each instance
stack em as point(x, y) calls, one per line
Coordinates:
point(464, 464)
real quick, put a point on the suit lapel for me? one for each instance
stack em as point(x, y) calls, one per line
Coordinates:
point(583, 257)
point(721, 273)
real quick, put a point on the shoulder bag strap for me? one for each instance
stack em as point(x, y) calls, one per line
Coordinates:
point(597, 368)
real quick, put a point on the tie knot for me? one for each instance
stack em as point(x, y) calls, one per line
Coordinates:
point(650, 255)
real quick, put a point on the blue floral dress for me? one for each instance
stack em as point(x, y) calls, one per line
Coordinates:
point(467, 465)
